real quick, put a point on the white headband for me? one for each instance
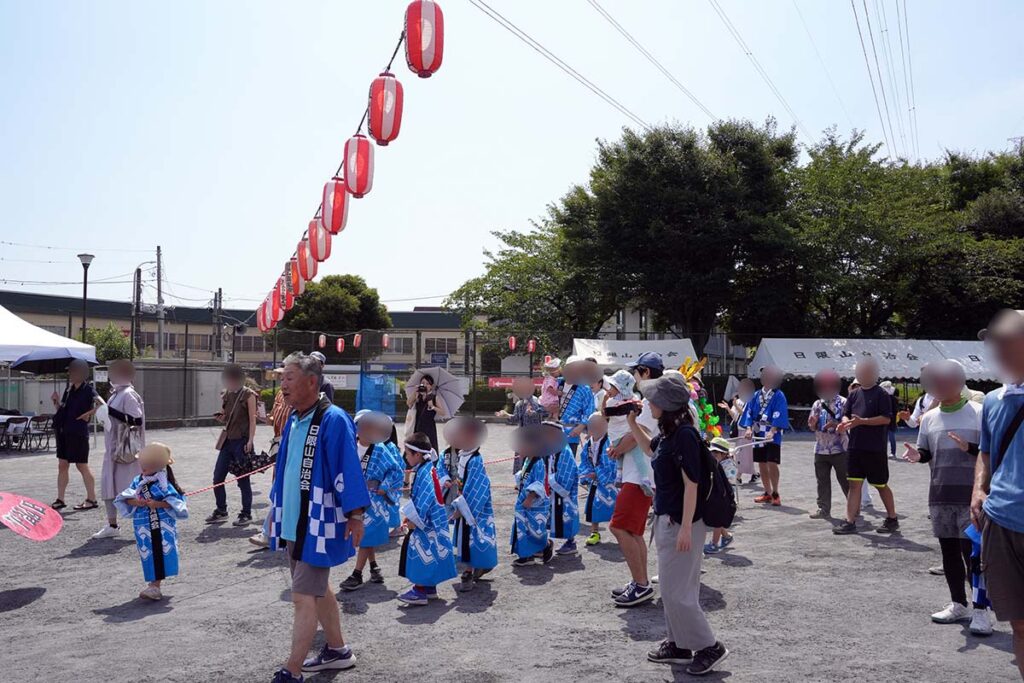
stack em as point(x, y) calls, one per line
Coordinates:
point(431, 454)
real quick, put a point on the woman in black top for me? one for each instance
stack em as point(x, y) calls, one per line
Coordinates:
point(680, 462)
point(428, 408)
point(71, 428)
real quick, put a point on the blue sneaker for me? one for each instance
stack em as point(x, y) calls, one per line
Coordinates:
point(568, 548)
point(413, 596)
point(431, 592)
point(726, 542)
point(285, 676)
point(330, 659)
point(710, 548)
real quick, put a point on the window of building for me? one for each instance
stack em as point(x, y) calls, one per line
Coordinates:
point(403, 346)
point(56, 329)
point(449, 345)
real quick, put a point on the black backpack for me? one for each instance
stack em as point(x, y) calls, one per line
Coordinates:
point(718, 498)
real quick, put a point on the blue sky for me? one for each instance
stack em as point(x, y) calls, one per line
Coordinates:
point(210, 127)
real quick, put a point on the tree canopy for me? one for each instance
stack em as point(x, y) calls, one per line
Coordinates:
point(110, 342)
point(733, 227)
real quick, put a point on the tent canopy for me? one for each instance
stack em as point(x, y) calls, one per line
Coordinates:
point(19, 337)
point(619, 352)
point(898, 358)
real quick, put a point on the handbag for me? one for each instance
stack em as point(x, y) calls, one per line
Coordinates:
point(128, 441)
point(248, 462)
point(224, 432)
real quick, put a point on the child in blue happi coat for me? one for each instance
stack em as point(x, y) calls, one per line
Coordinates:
point(380, 471)
point(533, 507)
point(564, 480)
point(473, 534)
point(154, 501)
point(395, 484)
point(427, 557)
point(597, 473)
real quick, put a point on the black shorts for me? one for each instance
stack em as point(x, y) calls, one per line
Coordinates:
point(73, 447)
point(770, 452)
point(870, 466)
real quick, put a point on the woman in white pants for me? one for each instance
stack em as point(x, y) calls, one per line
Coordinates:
point(679, 530)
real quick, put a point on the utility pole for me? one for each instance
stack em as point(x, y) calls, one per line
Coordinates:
point(159, 303)
point(217, 348)
point(136, 305)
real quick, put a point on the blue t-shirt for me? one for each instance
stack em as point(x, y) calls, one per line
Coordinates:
point(290, 494)
point(1005, 504)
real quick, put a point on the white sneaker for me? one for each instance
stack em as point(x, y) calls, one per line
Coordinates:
point(260, 540)
point(654, 579)
point(107, 532)
point(981, 622)
point(953, 613)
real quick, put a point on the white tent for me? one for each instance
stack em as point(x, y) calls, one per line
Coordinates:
point(898, 358)
point(18, 337)
point(972, 355)
point(619, 352)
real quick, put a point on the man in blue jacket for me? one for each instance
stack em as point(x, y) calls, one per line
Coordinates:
point(317, 504)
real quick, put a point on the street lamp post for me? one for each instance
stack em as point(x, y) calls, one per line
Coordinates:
point(86, 259)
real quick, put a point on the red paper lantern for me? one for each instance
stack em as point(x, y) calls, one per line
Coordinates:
point(276, 312)
point(385, 108)
point(511, 343)
point(321, 341)
point(531, 345)
point(319, 239)
point(358, 165)
point(334, 209)
point(307, 264)
point(268, 314)
point(547, 359)
point(261, 324)
point(340, 345)
point(385, 340)
point(424, 37)
point(357, 340)
point(298, 282)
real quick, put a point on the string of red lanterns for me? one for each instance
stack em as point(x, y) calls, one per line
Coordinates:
point(423, 37)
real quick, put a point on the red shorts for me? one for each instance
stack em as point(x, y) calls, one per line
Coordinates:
point(631, 508)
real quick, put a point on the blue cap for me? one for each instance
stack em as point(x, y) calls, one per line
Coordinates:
point(648, 360)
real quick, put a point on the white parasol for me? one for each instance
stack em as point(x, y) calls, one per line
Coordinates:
point(450, 390)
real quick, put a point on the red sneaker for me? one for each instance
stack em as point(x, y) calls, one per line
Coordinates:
point(776, 501)
point(763, 498)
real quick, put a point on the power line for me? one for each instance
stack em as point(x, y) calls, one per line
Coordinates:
point(824, 68)
point(906, 82)
point(910, 71)
point(497, 17)
point(887, 56)
point(757, 66)
point(43, 246)
point(618, 27)
point(878, 70)
point(69, 282)
point(871, 78)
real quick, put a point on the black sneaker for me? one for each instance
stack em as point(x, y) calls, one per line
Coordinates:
point(523, 561)
point(217, 516)
point(636, 595)
point(845, 528)
point(375, 575)
point(704, 661)
point(353, 582)
point(549, 552)
point(330, 659)
point(243, 520)
point(466, 582)
point(668, 653)
point(891, 525)
point(616, 592)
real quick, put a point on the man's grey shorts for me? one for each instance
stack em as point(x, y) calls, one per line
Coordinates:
point(307, 579)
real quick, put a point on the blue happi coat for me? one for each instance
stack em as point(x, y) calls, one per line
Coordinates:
point(474, 532)
point(336, 486)
point(576, 407)
point(379, 469)
point(530, 531)
point(602, 493)
point(565, 483)
point(427, 557)
point(395, 485)
point(156, 534)
point(445, 467)
point(764, 410)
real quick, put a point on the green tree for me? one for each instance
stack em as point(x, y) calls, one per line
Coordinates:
point(335, 304)
point(110, 343)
